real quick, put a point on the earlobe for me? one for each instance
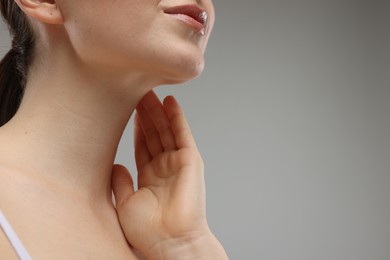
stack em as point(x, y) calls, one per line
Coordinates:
point(45, 11)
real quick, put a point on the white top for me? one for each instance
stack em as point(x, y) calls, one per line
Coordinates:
point(13, 238)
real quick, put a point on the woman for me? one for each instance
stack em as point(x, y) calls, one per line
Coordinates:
point(82, 68)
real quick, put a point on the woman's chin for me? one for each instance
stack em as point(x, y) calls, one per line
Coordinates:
point(183, 72)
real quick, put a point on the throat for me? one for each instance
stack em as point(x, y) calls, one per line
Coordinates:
point(64, 148)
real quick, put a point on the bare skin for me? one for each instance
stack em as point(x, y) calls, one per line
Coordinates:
point(57, 153)
point(164, 219)
point(169, 205)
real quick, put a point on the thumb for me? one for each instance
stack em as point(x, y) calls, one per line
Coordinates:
point(122, 184)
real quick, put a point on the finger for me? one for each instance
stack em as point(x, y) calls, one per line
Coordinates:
point(122, 184)
point(180, 127)
point(142, 155)
point(152, 137)
point(160, 120)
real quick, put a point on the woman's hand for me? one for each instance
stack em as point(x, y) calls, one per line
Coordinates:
point(165, 217)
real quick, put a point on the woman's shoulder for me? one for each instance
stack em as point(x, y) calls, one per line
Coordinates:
point(18, 249)
point(9, 198)
point(6, 250)
point(48, 229)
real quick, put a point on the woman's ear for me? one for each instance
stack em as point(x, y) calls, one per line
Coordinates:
point(45, 11)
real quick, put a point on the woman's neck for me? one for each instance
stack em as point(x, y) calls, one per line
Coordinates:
point(69, 125)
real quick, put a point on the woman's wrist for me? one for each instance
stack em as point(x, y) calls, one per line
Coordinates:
point(190, 246)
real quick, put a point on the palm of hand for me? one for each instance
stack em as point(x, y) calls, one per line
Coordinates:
point(170, 201)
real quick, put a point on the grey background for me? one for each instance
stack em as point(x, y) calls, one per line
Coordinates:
point(292, 116)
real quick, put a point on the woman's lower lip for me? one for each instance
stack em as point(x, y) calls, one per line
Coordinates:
point(197, 26)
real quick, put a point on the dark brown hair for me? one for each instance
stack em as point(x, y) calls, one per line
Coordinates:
point(14, 65)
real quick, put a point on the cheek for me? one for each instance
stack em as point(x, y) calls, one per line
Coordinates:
point(108, 30)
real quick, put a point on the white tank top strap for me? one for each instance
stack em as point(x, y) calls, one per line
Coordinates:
point(13, 238)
